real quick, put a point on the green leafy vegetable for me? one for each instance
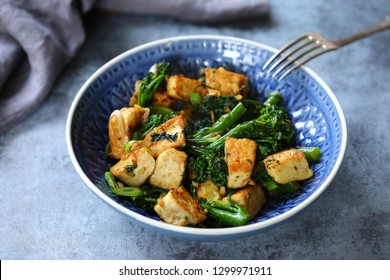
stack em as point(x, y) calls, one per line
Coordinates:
point(207, 165)
point(130, 169)
point(164, 136)
point(150, 84)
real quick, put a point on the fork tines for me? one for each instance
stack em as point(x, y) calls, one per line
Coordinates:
point(296, 53)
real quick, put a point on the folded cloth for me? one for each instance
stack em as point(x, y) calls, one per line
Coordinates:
point(191, 10)
point(38, 38)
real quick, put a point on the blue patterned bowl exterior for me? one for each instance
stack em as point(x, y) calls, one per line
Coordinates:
point(314, 110)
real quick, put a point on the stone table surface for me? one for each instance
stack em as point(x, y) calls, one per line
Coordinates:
point(48, 213)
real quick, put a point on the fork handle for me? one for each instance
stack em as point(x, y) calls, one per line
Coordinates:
point(379, 27)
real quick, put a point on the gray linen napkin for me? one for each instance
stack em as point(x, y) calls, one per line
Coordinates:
point(38, 38)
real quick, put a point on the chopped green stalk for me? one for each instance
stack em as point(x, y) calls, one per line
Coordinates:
point(129, 144)
point(273, 98)
point(195, 98)
point(312, 154)
point(220, 214)
point(150, 84)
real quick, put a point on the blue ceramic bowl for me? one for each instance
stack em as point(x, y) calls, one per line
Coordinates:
point(314, 109)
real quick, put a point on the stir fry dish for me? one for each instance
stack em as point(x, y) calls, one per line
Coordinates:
point(200, 152)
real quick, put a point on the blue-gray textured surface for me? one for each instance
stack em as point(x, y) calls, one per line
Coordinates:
point(48, 213)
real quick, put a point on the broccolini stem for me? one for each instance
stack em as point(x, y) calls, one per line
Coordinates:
point(285, 188)
point(312, 154)
point(227, 120)
point(122, 191)
point(150, 84)
point(219, 144)
point(111, 181)
point(273, 98)
point(224, 122)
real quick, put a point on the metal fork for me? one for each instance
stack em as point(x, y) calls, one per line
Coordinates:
point(296, 53)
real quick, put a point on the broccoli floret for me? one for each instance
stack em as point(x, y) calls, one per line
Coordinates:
point(207, 165)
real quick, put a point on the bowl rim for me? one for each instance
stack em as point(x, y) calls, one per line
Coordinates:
point(193, 231)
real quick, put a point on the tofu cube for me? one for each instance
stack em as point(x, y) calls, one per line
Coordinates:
point(167, 135)
point(251, 198)
point(288, 166)
point(180, 87)
point(169, 171)
point(207, 190)
point(178, 207)
point(226, 82)
point(134, 168)
point(240, 155)
point(120, 126)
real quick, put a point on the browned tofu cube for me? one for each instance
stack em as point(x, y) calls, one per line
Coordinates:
point(207, 190)
point(288, 166)
point(251, 198)
point(167, 135)
point(120, 126)
point(178, 207)
point(180, 87)
point(240, 155)
point(134, 168)
point(170, 168)
point(226, 82)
